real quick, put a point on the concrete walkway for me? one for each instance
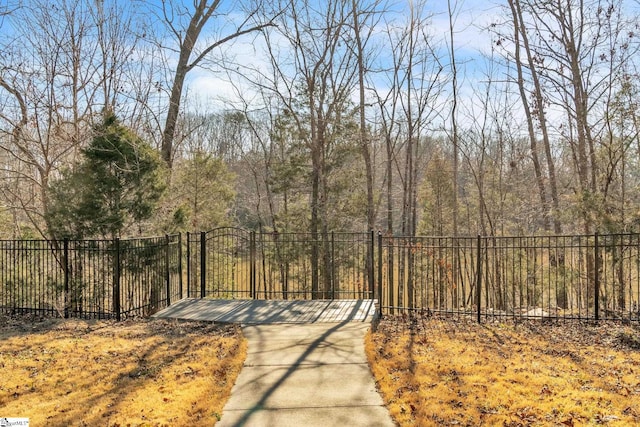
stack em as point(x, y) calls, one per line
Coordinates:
point(305, 366)
point(305, 375)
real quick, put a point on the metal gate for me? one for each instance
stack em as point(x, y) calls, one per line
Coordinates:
point(233, 263)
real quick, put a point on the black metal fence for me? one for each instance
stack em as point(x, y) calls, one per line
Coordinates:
point(90, 278)
point(235, 263)
point(564, 277)
point(518, 277)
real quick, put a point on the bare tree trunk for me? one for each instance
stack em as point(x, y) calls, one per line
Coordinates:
point(454, 122)
point(187, 39)
point(518, 32)
point(365, 145)
point(362, 132)
point(389, 173)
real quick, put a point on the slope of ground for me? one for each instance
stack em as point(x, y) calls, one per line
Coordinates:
point(138, 373)
point(433, 372)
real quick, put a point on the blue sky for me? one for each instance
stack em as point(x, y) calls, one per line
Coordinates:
point(209, 87)
point(471, 40)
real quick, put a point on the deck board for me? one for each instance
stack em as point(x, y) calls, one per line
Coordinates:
point(255, 312)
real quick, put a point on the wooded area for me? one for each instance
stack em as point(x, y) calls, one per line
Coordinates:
point(333, 116)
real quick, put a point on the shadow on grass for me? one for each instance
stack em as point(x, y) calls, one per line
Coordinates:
point(122, 374)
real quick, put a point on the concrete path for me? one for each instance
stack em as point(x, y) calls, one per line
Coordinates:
point(305, 366)
point(305, 375)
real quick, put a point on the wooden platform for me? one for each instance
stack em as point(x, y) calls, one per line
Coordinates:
point(255, 312)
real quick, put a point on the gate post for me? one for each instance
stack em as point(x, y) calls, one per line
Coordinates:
point(203, 263)
point(180, 285)
point(371, 272)
point(333, 266)
point(252, 266)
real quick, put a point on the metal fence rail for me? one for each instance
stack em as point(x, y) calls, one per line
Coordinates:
point(90, 278)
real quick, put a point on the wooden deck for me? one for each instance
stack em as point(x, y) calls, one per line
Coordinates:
point(255, 312)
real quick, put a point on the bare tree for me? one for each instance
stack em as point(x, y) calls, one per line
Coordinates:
point(535, 109)
point(313, 72)
point(388, 103)
point(452, 12)
point(186, 25)
point(365, 18)
point(576, 49)
point(62, 66)
point(408, 110)
point(576, 54)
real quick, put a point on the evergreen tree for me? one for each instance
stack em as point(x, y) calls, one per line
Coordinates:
point(116, 186)
point(204, 188)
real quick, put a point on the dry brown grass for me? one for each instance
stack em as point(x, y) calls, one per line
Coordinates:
point(138, 373)
point(433, 373)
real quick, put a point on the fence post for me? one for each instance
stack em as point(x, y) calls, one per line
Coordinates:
point(252, 267)
point(116, 278)
point(479, 278)
point(188, 265)
point(370, 267)
point(379, 274)
point(391, 278)
point(66, 277)
point(596, 276)
point(333, 266)
point(180, 285)
point(203, 263)
point(167, 270)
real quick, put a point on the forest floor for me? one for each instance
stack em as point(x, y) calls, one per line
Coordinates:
point(139, 373)
point(455, 372)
